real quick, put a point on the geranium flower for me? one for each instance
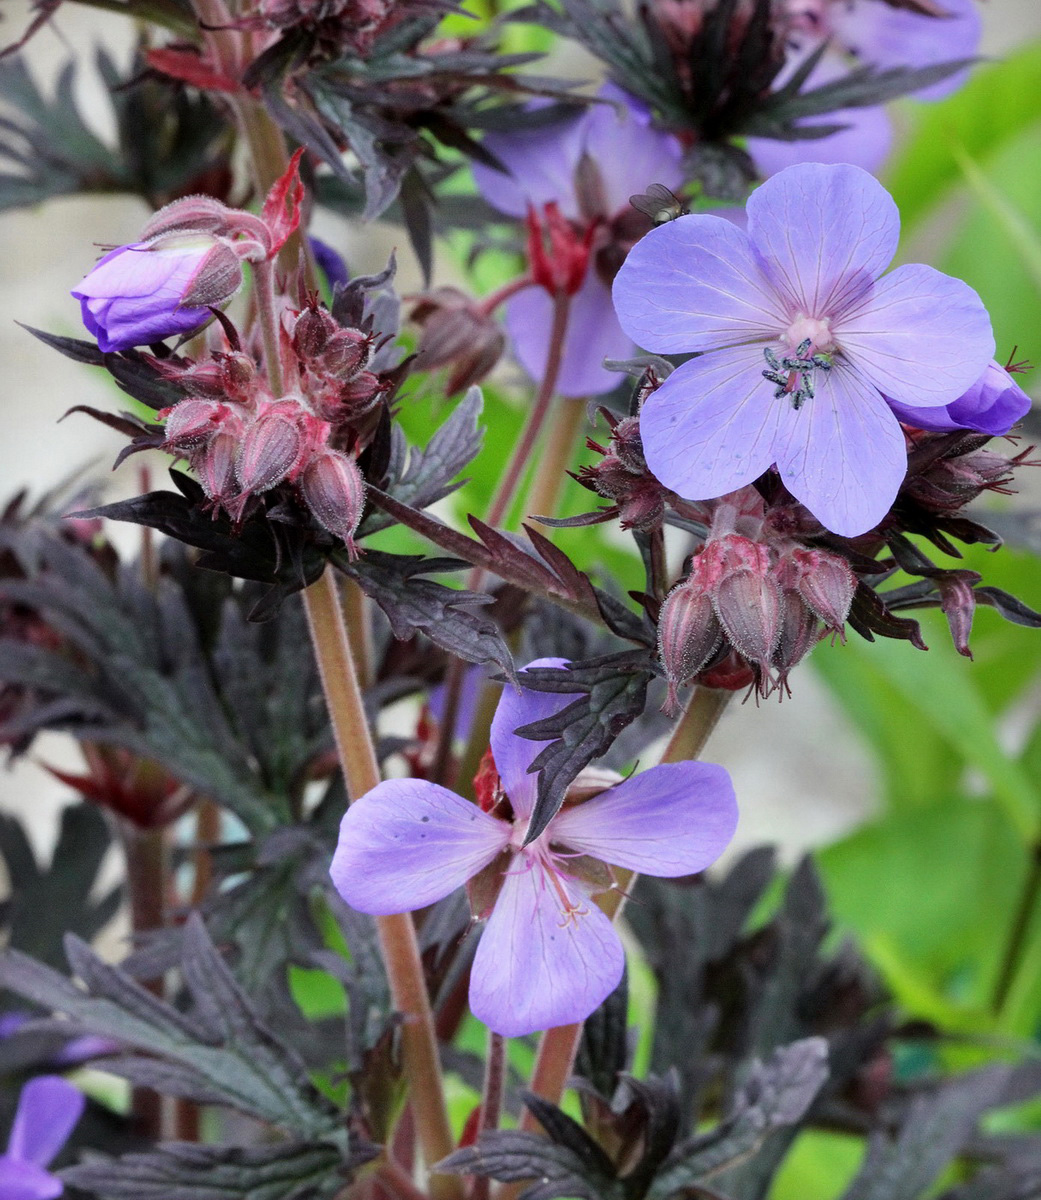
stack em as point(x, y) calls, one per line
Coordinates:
point(548, 955)
point(588, 166)
point(48, 1110)
point(801, 339)
point(993, 404)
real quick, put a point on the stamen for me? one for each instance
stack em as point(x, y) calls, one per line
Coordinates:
point(798, 383)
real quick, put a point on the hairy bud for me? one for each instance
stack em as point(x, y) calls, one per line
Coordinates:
point(334, 491)
point(688, 636)
point(270, 450)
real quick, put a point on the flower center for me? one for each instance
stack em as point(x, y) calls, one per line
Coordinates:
point(810, 348)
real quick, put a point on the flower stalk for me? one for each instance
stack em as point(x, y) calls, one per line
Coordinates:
point(397, 934)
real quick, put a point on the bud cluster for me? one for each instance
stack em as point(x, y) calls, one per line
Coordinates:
point(757, 594)
point(622, 476)
point(334, 27)
point(242, 441)
point(457, 332)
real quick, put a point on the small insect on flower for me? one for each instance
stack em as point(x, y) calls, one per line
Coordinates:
point(548, 955)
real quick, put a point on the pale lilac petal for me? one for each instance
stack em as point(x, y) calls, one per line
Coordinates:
point(20, 1180)
point(408, 843)
point(514, 755)
point(713, 425)
point(540, 167)
point(629, 154)
point(885, 37)
point(695, 284)
point(920, 336)
point(135, 270)
point(865, 142)
point(593, 334)
point(674, 819)
point(538, 966)
point(993, 404)
point(824, 232)
point(843, 454)
point(48, 1110)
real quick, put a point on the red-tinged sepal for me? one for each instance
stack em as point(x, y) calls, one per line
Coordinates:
point(270, 450)
point(334, 491)
point(282, 208)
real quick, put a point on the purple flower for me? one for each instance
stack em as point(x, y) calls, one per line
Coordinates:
point(801, 339)
point(330, 262)
point(549, 955)
point(884, 37)
point(588, 166)
point(48, 1110)
point(147, 291)
point(993, 404)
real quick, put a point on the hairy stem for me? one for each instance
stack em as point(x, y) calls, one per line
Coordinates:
point(491, 1103)
point(397, 934)
point(558, 1047)
point(264, 277)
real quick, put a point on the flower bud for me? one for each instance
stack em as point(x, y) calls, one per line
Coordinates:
point(313, 328)
point(688, 637)
point(457, 332)
point(800, 631)
point(191, 423)
point(748, 604)
point(334, 491)
point(345, 353)
point(215, 467)
point(144, 292)
point(270, 450)
point(189, 214)
point(958, 602)
point(826, 584)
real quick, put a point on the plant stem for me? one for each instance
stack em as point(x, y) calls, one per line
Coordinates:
point(1018, 931)
point(558, 1047)
point(397, 933)
point(359, 631)
point(492, 301)
point(537, 417)
point(551, 472)
point(264, 277)
point(491, 1103)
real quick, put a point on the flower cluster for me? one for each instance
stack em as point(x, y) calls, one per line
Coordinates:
point(548, 955)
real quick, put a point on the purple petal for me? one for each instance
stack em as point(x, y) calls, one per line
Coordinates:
point(21, 1180)
point(695, 284)
point(919, 336)
point(825, 233)
point(671, 820)
point(540, 167)
point(593, 334)
point(469, 694)
point(629, 154)
point(865, 142)
point(330, 262)
point(48, 1110)
point(713, 425)
point(138, 271)
point(886, 37)
point(408, 843)
point(514, 755)
point(538, 966)
point(993, 404)
point(844, 454)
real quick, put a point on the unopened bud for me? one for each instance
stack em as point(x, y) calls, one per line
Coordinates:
point(688, 636)
point(270, 450)
point(748, 604)
point(457, 332)
point(312, 330)
point(334, 491)
point(345, 353)
point(191, 423)
point(197, 214)
point(800, 631)
point(215, 467)
point(958, 602)
point(826, 584)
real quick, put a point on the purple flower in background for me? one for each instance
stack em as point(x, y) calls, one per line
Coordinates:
point(330, 262)
point(993, 404)
point(801, 340)
point(588, 166)
point(48, 1110)
point(882, 36)
point(147, 291)
point(549, 955)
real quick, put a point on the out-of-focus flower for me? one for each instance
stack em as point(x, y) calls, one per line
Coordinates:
point(587, 167)
point(459, 332)
point(549, 955)
point(330, 262)
point(800, 340)
point(48, 1110)
point(993, 404)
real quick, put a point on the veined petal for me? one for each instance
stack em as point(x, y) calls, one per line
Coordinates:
point(921, 337)
point(993, 404)
point(408, 843)
point(824, 232)
point(548, 957)
point(514, 755)
point(20, 1180)
point(887, 37)
point(843, 454)
point(695, 284)
point(593, 334)
point(48, 1109)
point(713, 425)
point(540, 167)
point(628, 152)
point(674, 819)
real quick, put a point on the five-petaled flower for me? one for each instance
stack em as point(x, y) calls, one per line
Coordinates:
point(549, 955)
point(48, 1110)
point(801, 340)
